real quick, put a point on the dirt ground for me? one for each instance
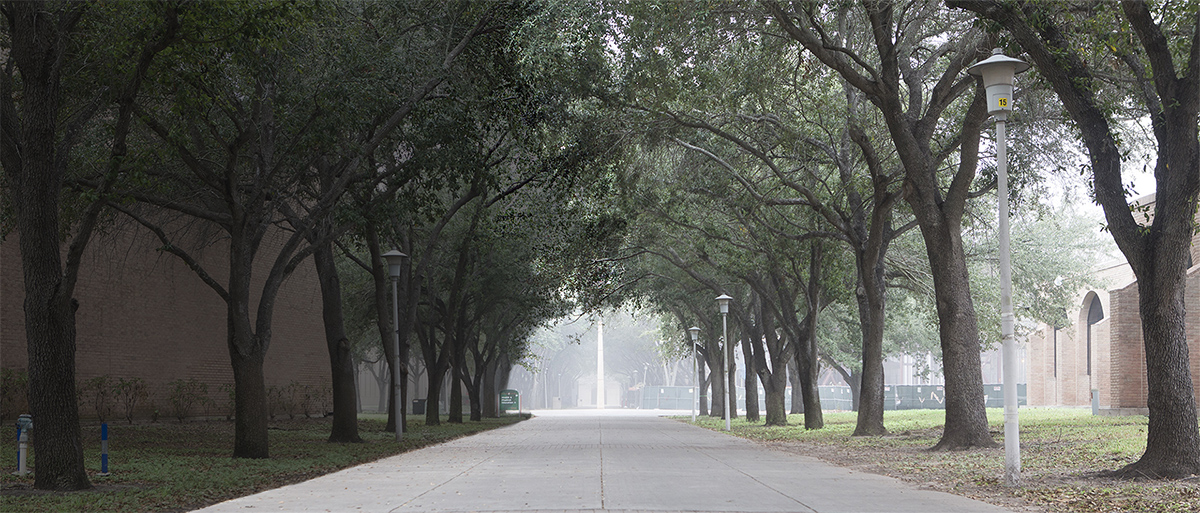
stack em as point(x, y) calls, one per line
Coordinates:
point(961, 473)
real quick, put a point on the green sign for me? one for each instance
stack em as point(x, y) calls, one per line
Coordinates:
point(510, 400)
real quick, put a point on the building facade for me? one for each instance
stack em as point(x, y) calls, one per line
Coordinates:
point(144, 314)
point(1098, 359)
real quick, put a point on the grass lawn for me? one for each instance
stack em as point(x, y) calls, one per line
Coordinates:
point(1061, 450)
point(168, 466)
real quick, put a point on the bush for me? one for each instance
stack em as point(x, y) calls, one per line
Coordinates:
point(317, 400)
point(185, 396)
point(14, 393)
point(130, 392)
point(296, 399)
point(100, 393)
point(227, 390)
point(275, 401)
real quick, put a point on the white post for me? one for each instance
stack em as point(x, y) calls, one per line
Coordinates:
point(22, 449)
point(600, 365)
point(695, 383)
point(396, 403)
point(1012, 431)
point(729, 380)
point(695, 337)
point(997, 72)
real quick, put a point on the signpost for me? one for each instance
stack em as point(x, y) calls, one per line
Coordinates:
point(510, 400)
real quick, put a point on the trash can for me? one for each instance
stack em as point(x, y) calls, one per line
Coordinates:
point(418, 407)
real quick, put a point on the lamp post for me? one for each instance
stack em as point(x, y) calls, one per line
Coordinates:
point(723, 303)
point(600, 364)
point(695, 332)
point(997, 72)
point(394, 259)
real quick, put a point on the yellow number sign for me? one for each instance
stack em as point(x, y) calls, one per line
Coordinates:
point(1003, 102)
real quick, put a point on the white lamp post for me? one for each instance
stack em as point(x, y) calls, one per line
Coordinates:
point(695, 332)
point(997, 72)
point(600, 364)
point(723, 303)
point(394, 259)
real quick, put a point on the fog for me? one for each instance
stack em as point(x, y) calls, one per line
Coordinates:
point(561, 371)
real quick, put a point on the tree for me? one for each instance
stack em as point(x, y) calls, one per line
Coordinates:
point(252, 134)
point(1153, 48)
point(909, 53)
point(37, 136)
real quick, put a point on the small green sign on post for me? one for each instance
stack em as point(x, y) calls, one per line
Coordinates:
point(510, 400)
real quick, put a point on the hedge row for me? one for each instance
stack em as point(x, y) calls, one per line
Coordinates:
point(104, 397)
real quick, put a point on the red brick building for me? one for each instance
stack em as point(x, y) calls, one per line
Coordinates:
point(1102, 348)
point(144, 314)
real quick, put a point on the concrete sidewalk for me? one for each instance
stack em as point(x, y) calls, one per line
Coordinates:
point(601, 461)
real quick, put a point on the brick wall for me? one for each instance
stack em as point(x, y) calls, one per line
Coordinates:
point(1128, 353)
point(1101, 362)
point(144, 314)
point(1040, 386)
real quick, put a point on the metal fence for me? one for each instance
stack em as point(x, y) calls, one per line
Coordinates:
point(833, 398)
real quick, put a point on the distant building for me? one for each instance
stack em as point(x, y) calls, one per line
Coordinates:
point(144, 314)
point(1101, 349)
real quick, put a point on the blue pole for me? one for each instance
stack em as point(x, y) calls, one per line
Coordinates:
point(104, 449)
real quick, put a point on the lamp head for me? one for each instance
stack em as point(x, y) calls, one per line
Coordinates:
point(723, 302)
point(394, 258)
point(997, 72)
point(695, 333)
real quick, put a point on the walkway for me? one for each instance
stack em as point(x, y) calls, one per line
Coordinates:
point(600, 461)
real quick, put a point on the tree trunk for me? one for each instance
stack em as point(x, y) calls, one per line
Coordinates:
point(1172, 441)
point(871, 311)
point(488, 392)
point(503, 371)
point(247, 351)
point(433, 396)
point(717, 380)
point(250, 405)
point(797, 391)
point(814, 417)
point(752, 414)
point(341, 361)
point(776, 383)
point(39, 40)
point(703, 384)
point(383, 319)
point(474, 384)
point(966, 415)
point(456, 397)
point(50, 342)
point(941, 227)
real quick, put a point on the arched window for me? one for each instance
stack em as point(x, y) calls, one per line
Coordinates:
point(1095, 315)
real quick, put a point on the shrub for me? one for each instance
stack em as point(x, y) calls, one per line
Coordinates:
point(14, 393)
point(227, 390)
point(291, 399)
point(130, 392)
point(100, 393)
point(275, 401)
point(317, 399)
point(184, 396)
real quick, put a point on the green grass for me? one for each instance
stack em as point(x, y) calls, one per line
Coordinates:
point(169, 466)
point(1061, 451)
